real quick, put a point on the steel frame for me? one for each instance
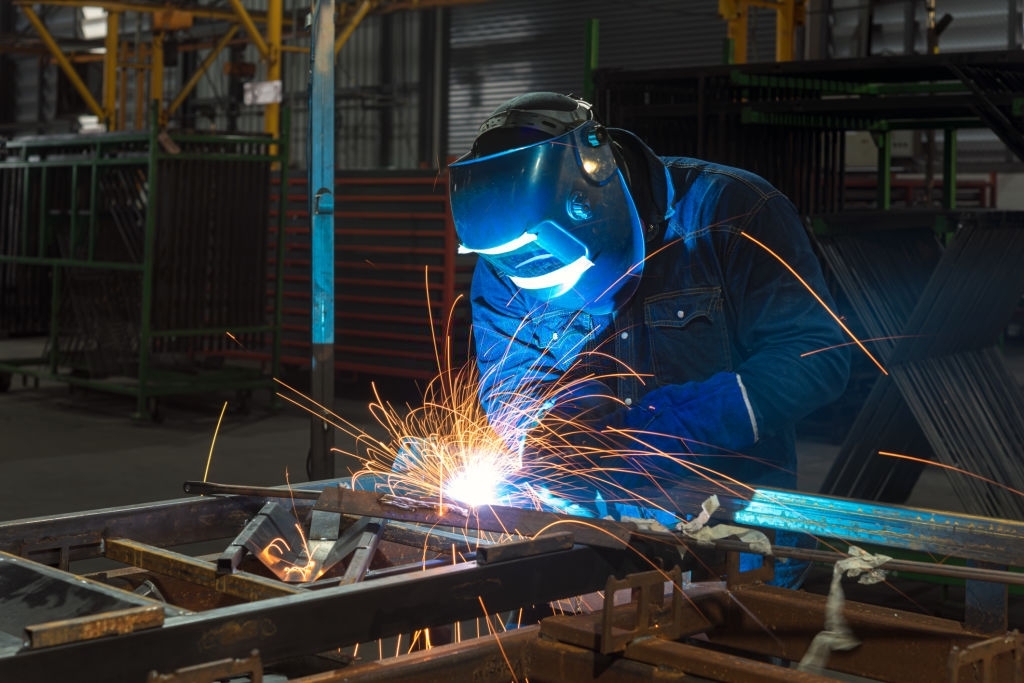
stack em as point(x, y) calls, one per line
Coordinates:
point(238, 621)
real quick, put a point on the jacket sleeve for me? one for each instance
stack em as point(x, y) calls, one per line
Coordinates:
point(791, 352)
point(794, 352)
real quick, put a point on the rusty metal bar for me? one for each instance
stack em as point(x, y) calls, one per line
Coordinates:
point(167, 523)
point(248, 587)
point(714, 665)
point(115, 622)
point(317, 621)
point(895, 645)
point(496, 658)
point(204, 488)
point(502, 552)
point(497, 519)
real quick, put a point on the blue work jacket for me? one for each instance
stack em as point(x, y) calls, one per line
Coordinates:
point(713, 304)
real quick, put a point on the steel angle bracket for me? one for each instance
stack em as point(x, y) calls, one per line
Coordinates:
point(651, 615)
point(272, 522)
point(997, 659)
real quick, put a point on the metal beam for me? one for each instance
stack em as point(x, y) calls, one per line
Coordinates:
point(321, 211)
point(493, 518)
point(210, 58)
point(249, 587)
point(350, 26)
point(322, 620)
point(62, 61)
point(144, 8)
point(856, 521)
point(272, 111)
point(110, 71)
point(242, 14)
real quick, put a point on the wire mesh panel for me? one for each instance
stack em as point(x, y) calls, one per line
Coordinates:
point(24, 289)
point(153, 250)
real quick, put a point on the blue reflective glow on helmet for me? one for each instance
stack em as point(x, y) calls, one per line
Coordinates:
point(554, 216)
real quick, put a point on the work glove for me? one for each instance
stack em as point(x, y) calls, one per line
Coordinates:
point(651, 442)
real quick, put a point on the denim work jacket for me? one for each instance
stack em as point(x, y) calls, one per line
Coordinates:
point(713, 302)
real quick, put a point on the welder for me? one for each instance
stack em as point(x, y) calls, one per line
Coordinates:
point(663, 280)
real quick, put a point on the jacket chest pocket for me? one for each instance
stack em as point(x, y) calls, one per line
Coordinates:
point(688, 336)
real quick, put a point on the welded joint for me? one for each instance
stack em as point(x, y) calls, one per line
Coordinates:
point(991, 658)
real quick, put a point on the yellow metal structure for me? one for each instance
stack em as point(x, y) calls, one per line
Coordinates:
point(789, 14)
point(62, 61)
point(146, 59)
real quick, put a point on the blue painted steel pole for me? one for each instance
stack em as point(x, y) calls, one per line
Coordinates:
point(321, 211)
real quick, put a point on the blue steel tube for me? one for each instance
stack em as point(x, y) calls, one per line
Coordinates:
point(321, 211)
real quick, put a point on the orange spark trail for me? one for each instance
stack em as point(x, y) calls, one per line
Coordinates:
point(216, 430)
point(819, 299)
point(866, 341)
point(497, 640)
point(952, 468)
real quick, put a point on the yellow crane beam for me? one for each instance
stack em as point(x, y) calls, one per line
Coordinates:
point(207, 63)
point(789, 14)
point(122, 6)
point(353, 22)
point(62, 61)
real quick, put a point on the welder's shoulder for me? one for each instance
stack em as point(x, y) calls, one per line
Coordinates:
point(739, 185)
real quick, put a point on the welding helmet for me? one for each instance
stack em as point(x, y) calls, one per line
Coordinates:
point(542, 199)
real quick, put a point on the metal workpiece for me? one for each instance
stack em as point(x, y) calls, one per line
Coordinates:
point(493, 518)
point(857, 521)
point(612, 600)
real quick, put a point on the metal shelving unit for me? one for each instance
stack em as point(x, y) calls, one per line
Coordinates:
point(399, 280)
point(142, 258)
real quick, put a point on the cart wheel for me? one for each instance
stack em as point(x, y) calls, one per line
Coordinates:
point(5, 382)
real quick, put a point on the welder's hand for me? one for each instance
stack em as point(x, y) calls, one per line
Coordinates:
point(693, 417)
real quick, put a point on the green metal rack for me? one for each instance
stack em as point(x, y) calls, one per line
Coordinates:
point(141, 258)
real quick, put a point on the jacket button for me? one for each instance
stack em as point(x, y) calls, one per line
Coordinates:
point(680, 314)
point(628, 401)
point(624, 335)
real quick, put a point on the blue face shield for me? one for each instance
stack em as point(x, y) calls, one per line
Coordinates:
point(554, 217)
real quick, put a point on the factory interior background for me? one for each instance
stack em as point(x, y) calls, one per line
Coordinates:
point(158, 252)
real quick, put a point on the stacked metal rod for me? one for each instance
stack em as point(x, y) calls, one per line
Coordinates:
point(948, 386)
